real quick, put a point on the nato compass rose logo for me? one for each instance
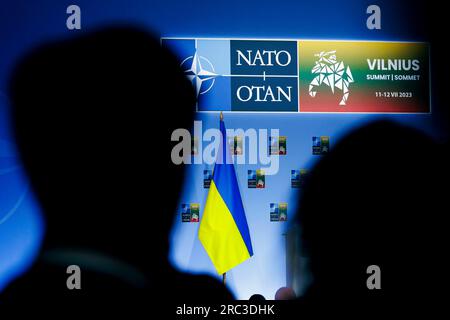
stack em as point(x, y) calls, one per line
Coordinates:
point(239, 75)
point(200, 72)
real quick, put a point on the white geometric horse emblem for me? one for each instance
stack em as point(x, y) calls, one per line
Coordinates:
point(332, 73)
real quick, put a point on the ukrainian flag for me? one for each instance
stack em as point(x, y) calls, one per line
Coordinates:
point(223, 230)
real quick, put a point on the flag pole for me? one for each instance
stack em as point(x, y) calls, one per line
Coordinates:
point(224, 275)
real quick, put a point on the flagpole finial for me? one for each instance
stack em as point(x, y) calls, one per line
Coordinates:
point(221, 116)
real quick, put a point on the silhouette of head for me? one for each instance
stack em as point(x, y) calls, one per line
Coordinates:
point(285, 293)
point(94, 117)
point(374, 200)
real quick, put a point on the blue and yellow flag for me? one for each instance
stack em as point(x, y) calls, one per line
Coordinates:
point(223, 229)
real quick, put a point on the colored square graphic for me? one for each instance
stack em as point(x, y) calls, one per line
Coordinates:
point(278, 212)
point(190, 212)
point(256, 179)
point(195, 212)
point(277, 145)
point(274, 215)
point(207, 177)
point(251, 179)
point(260, 179)
point(185, 212)
point(320, 145)
point(282, 211)
point(298, 178)
point(295, 178)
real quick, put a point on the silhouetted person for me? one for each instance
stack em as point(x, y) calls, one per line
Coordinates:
point(94, 117)
point(377, 199)
point(285, 293)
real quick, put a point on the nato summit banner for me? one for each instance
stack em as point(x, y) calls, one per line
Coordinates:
point(305, 75)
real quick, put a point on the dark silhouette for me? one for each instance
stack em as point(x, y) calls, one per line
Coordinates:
point(377, 199)
point(94, 117)
point(257, 298)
